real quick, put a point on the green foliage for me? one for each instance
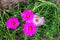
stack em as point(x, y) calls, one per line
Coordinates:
point(47, 9)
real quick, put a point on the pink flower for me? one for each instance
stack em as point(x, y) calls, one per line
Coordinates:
point(29, 29)
point(38, 20)
point(27, 15)
point(12, 23)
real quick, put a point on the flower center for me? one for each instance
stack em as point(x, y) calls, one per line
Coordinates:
point(30, 28)
point(28, 16)
point(37, 20)
point(13, 23)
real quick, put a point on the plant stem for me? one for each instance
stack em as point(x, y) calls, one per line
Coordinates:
point(11, 36)
point(36, 7)
point(25, 37)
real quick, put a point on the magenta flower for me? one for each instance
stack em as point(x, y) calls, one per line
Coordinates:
point(27, 15)
point(29, 29)
point(12, 23)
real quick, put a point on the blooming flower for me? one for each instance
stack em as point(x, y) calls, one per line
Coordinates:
point(12, 23)
point(38, 20)
point(27, 15)
point(29, 29)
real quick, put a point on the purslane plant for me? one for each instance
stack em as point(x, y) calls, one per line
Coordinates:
point(47, 11)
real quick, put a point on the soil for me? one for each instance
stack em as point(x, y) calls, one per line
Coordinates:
point(10, 3)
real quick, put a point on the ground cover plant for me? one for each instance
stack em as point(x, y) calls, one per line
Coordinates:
point(48, 27)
